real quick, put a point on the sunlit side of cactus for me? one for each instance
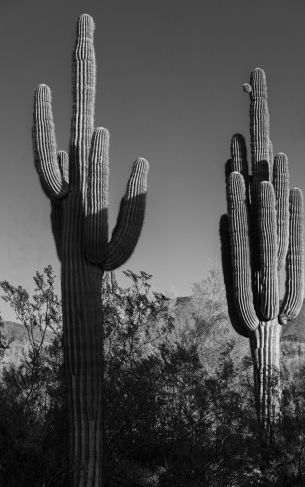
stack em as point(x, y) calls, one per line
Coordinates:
point(77, 185)
point(262, 231)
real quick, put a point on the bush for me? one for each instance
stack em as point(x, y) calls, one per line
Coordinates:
point(169, 420)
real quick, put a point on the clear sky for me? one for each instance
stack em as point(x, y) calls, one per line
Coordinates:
point(169, 88)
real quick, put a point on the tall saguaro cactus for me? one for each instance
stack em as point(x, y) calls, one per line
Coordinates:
point(77, 185)
point(262, 231)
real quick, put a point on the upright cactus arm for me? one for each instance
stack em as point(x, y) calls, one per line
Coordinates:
point(228, 276)
point(294, 295)
point(63, 164)
point(45, 154)
point(267, 237)
point(130, 219)
point(259, 126)
point(131, 215)
point(271, 158)
point(56, 205)
point(83, 101)
point(259, 116)
point(281, 190)
point(96, 220)
point(239, 161)
point(239, 156)
point(240, 250)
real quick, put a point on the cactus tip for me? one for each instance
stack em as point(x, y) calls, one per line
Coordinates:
point(258, 83)
point(259, 70)
point(237, 136)
point(141, 164)
point(85, 26)
point(297, 194)
point(102, 133)
point(43, 93)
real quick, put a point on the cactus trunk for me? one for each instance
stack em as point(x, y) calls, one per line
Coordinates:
point(83, 318)
point(77, 186)
point(265, 351)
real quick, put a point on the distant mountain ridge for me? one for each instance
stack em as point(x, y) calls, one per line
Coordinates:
point(292, 339)
point(293, 336)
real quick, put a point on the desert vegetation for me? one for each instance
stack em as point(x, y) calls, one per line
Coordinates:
point(179, 406)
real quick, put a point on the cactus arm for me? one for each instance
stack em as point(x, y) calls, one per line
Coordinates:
point(281, 190)
point(239, 161)
point(96, 222)
point(239, 155)
point(267, 237)
point(259, 117)
point(63, 164)
point(227, 275)
point(294, 295)
point(240, 250)
point(271, 159)
point(44, 143)
point(130, 219)
point(83, 100)
point(56, 205)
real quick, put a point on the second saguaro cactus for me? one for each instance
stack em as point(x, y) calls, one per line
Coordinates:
point(262, 231)
point(77, 185)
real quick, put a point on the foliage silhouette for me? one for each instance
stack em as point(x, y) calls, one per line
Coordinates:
point(168, 419)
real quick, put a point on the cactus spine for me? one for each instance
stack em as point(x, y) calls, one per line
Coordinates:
point(262, 230)
point(77, 186)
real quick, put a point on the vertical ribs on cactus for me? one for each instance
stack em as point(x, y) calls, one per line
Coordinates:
point(77, 186)
point(262, 231)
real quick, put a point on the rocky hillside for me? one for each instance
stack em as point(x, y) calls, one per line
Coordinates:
point(20, 342)
point(292, 341)
point(293, 344)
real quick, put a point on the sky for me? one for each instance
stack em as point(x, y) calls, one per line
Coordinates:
point(169, 88)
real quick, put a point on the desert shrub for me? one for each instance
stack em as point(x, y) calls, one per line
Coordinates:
point(169, 420)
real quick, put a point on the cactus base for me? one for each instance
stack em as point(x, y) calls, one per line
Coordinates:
point(265, 350)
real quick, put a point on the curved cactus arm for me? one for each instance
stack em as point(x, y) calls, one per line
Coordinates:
point(56, 205)
point(130, 219)
point(259, 126)
point(281, 190)
point(294, 295)
point(227, 275)
point(83, 99)
point(96, 221)
point(44, 142)
point(269, 294)
point(240, 250)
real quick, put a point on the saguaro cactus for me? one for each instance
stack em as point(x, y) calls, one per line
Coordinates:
point(77, 186)
point(262, 230)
